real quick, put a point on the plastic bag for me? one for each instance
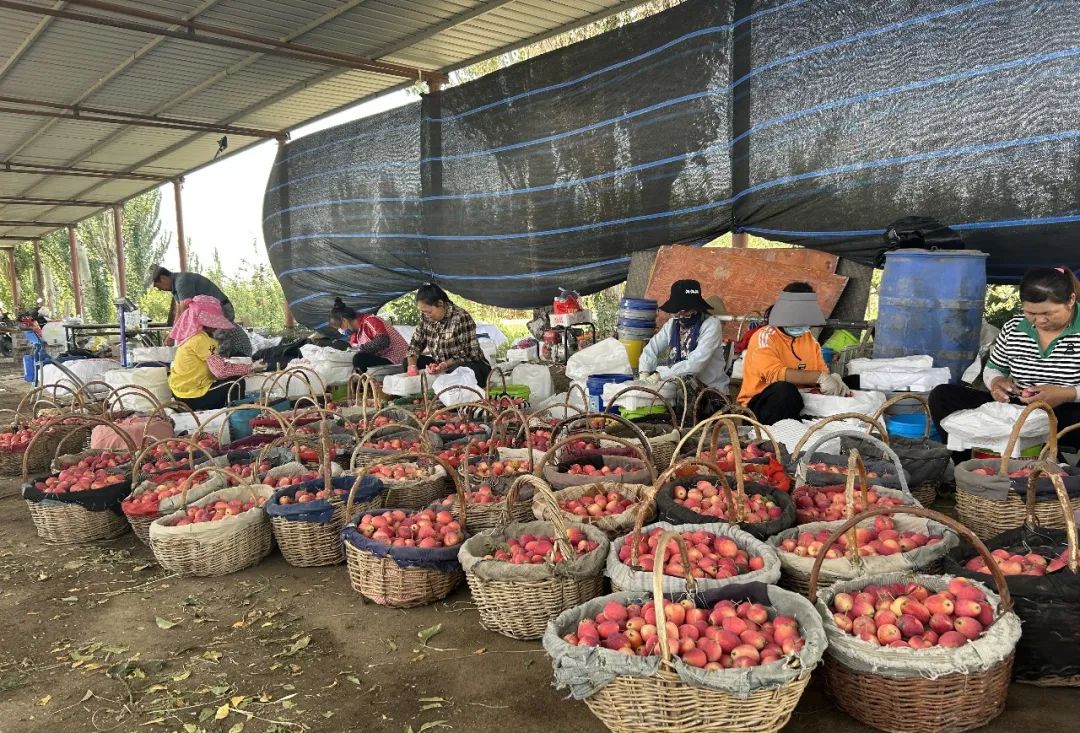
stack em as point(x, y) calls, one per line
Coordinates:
point(332, 366)
point(989, 427)
point(460, 377)
point(606, 357)
point(867, 366)
point(914, 380)
point(154, 379)
point(537, 378)
point(820, 405)
point(85, 370)
point(185, 423)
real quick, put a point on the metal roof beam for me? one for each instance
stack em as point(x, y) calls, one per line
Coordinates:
point(17, 223)
point(31, 201)
point(198, 32)
point(449, 23)
point(80, 113)
point(59, 170)
point(18, 239)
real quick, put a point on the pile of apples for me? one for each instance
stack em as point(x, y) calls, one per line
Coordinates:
point(454, 456)
point(406, 444)
point(300, 478)
point(1015, 564)
point(458, 429)
point(728, 635)
point(1019, 473)
point(217, 511)
point(911, 615)
point(148, 501)
point(883, 539)
point(541, 439)
point(400, 472)
point(587, 469)
point(244, 470)
point(822, 467)
point(174, 454)
point(531, 549)
point(495, 469)
point(711, 556)
point(16, 441)
point(304, 496)
point(83, 476)
point(826, 503)
point(725, 455)
point(483, 495)
point(427, 529)
point(506, 401)
point(105, 460)
point(598, 505)
point(708, 500)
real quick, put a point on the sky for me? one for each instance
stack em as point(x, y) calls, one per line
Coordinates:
point(223, 202)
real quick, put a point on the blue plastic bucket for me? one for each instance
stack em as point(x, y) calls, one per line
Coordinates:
point(28, 368)
point(595, 386)
point(638, 308)
point(910, 425)
point(643, 323)
point(932, 303)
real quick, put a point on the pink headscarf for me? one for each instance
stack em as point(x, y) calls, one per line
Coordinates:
point(203, 311)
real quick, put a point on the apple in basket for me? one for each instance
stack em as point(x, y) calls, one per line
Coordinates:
point(104, 460)
point(1011, 563)
point(711, 555)
point(708, 499)
point(426, 529)
point(78, 478)
point(400, 471)
point(1019, 473)
point(821, 467)
point(306, 455)
point(509, 467)
point(305, 496)
point(726, 453)
point(147, 501)
point(483, 495)
point(457, 428)
point(217, 511)
point(453, 456)
point(588, 469)
point(12, 442)
point(881, 539)
point(299, 478)
point(244, 470)
point(531, 549)
point(598, 505)
point(730, 634)
point(912, 615)
point(541, 439)
point(392, 444)
point(826, 503)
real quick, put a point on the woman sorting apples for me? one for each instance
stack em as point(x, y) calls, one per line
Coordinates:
point(784, 356)
point(200, 377)
point(1036, 357)
point(375, 343)
point(446, 337)
point(690, 344)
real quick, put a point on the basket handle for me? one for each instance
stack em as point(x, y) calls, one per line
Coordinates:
point(512, 495)
point(966, 534)
point(761, 429)
point(53, 422)
point(491, 375)
point(871, 422)
point(923, 403)
point(1014, 436)
point(116, 397)
point(1053, 472)
point(658, 586)
point(566, 424)
point(803, 461)
point(538, 469)
point(140, 455)
point(481, 406)
point(1061, 434)
point(90, 390)
point(726, 401)
point(655, 394)
point(230, 478)
point(281, 441)
point(421, 434)
point(159, 411)
point(288, 374)
point(551, 511)
point(681, 386)
point(407, 455)
point(230, 409)
point(725, 486)
point(34, 396)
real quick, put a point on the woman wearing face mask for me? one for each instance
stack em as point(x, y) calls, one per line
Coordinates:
point(446, 337)
point(784, 356)
point(376, 343)
point(1036, 357)
point(689, 346)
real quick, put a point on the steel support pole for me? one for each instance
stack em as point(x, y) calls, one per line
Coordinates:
point(13, 275)
point(118, 237)
point(73, 253)
point(181, 242)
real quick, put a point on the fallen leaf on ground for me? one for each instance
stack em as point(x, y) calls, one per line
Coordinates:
point(44, 701)
point(222, 713)
point(429, 633)
point(164, 623)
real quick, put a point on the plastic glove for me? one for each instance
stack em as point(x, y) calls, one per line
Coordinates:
point(832, 384)
point(662, 372)
point(651, 377)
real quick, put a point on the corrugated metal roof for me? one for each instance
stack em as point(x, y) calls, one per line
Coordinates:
point(71, 62)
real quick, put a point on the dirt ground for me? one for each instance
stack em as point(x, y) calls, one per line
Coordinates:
point(99, 638)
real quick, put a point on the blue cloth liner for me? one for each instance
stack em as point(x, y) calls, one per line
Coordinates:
point(442, 559)
point(320, 511)
point(240, 421)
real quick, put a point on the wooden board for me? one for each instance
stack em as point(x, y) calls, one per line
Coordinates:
point(748, 280)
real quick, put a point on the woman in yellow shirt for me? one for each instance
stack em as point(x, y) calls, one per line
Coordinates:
point(199, 377)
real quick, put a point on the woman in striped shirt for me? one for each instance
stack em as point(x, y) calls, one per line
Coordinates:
point(1036, 357)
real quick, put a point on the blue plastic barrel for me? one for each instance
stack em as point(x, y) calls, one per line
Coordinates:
point(910, 425)
point(640, 308)
point(931, 302)
point(29, 369)
point(595, 386)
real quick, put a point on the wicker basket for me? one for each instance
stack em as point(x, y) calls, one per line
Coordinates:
point(661, 445)
point(382, 580)
point(926, 493)
point(664, 703)
point(521, 609)
point(597, 433)
point(70, 524)
point(990, 517)
point(890, 702)
point(140, 523)
point(231, 547)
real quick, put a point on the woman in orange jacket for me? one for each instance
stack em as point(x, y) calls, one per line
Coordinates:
point(784, 356)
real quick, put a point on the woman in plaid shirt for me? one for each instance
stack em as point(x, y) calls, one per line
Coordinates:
point(446, 337)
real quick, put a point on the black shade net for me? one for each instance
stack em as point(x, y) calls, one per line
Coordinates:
point(814, 123)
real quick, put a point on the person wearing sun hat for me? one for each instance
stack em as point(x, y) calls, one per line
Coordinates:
point(784, 356)
point(199, 376)
point(690, 344)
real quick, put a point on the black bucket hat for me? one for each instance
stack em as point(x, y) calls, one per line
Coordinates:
point(686, 296)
